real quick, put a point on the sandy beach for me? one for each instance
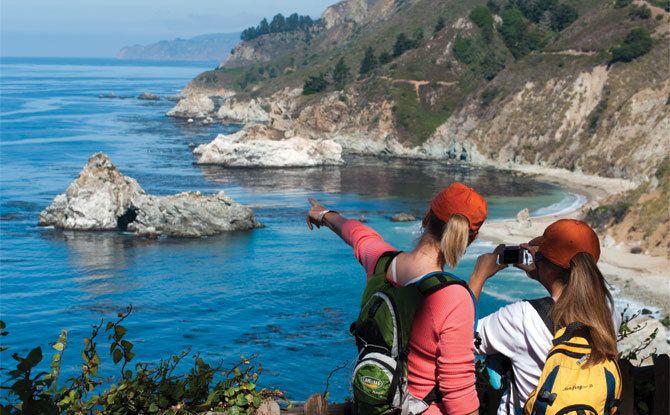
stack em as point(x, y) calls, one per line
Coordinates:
point(639, 277)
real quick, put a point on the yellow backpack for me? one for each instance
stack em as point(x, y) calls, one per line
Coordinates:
point(566, 387)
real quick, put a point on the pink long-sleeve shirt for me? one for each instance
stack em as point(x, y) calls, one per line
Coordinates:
point(440, 347)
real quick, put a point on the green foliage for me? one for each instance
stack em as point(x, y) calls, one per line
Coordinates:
point(481, 56)
point(369, 61)
point(605, 215)
point(340, 74)
point(414, 116)
point(519, 37)
point(403, 43)
point(596, 114)
point(385, 58)
point(627, 329)
point(439, 25)
point(279, 24)
point(493, 5)
point(622, 3)
point(482, 17)
point(637, 43)
point(315, 84)
point(664, 4)
point(488, 95)
point(563, 16)
point(643, 12)
point(150, 389)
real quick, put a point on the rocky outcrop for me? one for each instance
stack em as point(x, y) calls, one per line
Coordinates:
point(232, 110)
point(193, 106)
point(260, 146)
point(148, 96)
point(103, 199)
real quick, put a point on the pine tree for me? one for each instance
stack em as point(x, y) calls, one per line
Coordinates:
point(441, 24)
point(369, 61)
point(340, 74)
point(385, 58)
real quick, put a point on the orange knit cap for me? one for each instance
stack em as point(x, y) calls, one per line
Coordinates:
point(463, 200)
point(564, 239)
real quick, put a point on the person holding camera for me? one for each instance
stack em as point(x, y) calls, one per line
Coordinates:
point(439, 356)
point(564, 262)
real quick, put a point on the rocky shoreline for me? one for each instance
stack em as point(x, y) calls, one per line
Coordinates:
point(103, 199)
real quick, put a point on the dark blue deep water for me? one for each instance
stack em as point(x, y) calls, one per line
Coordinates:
point(281, 292)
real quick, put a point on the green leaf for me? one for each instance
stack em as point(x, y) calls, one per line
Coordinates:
point(109, 325)
point(117, 355)
point(127, 345)
point(153, 407)
point(129, 356)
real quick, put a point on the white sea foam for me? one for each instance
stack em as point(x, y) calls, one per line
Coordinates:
point(569, 203)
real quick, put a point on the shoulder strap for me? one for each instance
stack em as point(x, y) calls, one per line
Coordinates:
point(543, 307)
point(385, 260)
point(435, 281)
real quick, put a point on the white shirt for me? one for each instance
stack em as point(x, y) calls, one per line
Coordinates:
point(518, 332)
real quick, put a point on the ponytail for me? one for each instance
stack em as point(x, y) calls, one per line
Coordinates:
point(586, 299)
point(453, 237)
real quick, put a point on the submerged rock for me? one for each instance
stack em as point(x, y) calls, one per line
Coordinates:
point(261, 146)
point(148, 96)
point(403, 217)
point(103, 199)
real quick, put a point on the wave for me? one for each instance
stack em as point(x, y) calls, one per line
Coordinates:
point(569, 203)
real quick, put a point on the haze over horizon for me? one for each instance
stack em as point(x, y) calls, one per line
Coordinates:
point(93, 28)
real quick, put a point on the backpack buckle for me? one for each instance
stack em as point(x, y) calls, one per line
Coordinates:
point(547, 396)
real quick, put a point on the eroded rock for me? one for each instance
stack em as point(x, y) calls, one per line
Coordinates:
point(103, 199)
point(257, 145)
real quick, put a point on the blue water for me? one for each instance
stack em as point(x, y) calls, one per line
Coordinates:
point(282, 292)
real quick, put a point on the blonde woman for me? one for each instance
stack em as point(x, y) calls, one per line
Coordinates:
point(441, 355)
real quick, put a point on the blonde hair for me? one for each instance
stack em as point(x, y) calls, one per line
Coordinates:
point(586, 299)
point(452, 237)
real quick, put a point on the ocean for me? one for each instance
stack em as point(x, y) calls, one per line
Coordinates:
point(282, 293)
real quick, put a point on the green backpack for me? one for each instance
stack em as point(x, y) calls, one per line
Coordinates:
point(382, 331)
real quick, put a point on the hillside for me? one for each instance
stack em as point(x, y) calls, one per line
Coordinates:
point(210, 47)
point(575, 85)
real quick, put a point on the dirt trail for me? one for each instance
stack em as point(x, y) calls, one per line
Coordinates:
point(416, 83)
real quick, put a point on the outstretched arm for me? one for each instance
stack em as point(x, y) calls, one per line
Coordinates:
point(368, 245)
point(318, 215)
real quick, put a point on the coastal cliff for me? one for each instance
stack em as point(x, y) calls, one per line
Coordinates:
point(447, 80)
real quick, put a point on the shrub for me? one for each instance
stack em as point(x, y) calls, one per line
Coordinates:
point(489, 95)
point(482, 17)
point(148, 389)
point(385, 58)
point(403, 43)
point(622, 3)
point(340, 74)
point(483, 59)
point(315, 84)
point(643, 12)
point(563, 16)
point(369, 61)
point(519, 38)
point(637, 43)
point(441, 24)
point(493, 6)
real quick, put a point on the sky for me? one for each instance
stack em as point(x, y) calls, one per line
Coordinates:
point(97, 28)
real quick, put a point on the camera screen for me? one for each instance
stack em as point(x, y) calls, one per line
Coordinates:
point(511, 255)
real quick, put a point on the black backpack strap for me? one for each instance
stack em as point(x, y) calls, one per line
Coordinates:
point(543, 307)
point(434, 395)
point(436, 281)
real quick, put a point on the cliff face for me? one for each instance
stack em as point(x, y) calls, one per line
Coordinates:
point(563, 105)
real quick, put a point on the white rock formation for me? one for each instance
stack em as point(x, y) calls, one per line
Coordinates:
point(259, 146)
point(243, 112)
point(193, 106)
point(103, 199)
